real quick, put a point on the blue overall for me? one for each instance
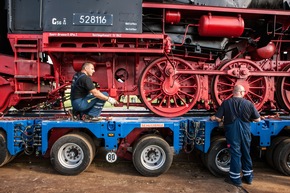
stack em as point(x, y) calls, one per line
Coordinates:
point(89, 105)
point(238, 136)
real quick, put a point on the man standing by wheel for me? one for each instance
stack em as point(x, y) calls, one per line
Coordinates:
point(237, 114)
point(85, 98)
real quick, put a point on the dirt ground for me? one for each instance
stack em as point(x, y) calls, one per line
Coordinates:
point(35, 174)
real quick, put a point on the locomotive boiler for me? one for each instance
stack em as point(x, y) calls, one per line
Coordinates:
point(174, 56)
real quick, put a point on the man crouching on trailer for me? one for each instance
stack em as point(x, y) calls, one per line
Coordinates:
point(238, 113)
point(87, 101)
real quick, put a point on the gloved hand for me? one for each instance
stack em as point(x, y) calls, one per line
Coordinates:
point(112, 101)
point(97, 85)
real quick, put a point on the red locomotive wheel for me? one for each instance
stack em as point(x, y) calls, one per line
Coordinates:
point(283, 90)
point(256, 87)
point(167, 93)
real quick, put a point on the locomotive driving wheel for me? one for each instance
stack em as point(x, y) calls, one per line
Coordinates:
point(283, 90)
point(167, 93)
point(256, 86)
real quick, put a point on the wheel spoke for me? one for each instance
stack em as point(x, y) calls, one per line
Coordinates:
point(229, 96)
point(258, 96)
point(164, 97)
point(229, 79)
point(191, 96)
point(154, 98)
point(168, 102)
point(257, 88)
point(226, 84)
point(152, 91)
point(175, 102)
point(181, 99)
point(155, 76)
point(255, 81)
point(287, 85)
point(153, 83)
point(226, 91)
point(193, 86)
point(186, 79)
point(250, 98)
point(159, 67)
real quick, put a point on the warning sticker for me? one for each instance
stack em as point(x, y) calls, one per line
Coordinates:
point(152, 125)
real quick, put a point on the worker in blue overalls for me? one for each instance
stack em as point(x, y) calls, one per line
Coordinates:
point(237, 113)
point(85, 98)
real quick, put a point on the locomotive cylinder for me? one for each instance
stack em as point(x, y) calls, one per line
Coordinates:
point(220, 26)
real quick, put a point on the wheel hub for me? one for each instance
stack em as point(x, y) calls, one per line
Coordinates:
point(153, 157)
point(70, 155)
point(170, 89)
point(223, 160)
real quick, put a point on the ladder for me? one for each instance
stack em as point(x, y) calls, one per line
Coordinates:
point(26, 64)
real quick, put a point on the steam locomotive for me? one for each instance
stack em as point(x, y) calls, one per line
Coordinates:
point(173, 55)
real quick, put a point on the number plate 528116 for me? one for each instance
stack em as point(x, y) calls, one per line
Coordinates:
point(92, 19)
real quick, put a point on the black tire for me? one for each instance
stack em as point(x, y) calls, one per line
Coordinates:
point(281, 156)
point(218, 158)
point(90, 140)
point(71, 154)
point(202, 158)
point(285, 158)
point(203, 155)
point(152, 156)
point(4, 153)
point(269, 152)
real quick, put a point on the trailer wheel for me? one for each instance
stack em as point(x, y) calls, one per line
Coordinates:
point(152, 156)
point(203, 155)
point(90, 140)
point(285, 158)
point(218, 158)
point(269, 152)
point(4, 153)
point(71, 154)
point(282, 157)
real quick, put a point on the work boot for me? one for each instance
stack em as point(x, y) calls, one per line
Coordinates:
point(89, 118)
point(246, 181)
point(76, 115)
point(229, 181)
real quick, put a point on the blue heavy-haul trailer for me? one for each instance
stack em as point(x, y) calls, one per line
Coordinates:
point(150, 142)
